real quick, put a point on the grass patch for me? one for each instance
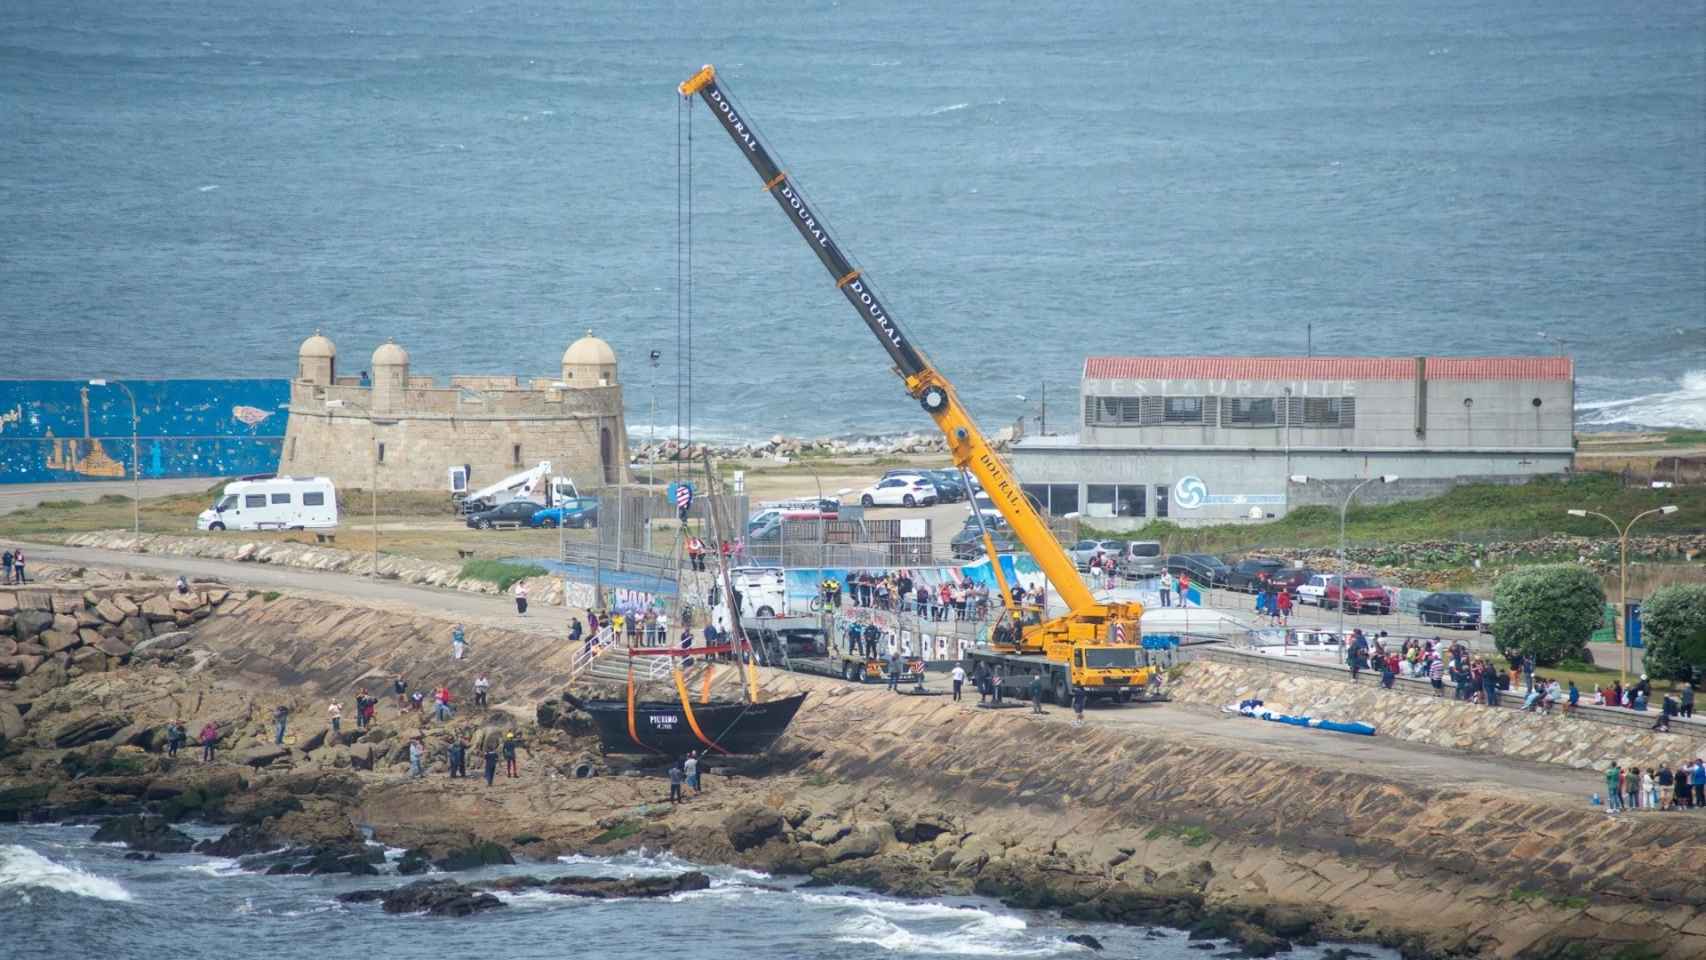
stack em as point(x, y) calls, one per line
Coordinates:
point(818, 780)
point(1470, 513)
point(1519, 895)
point(499, 572)
point(1688, 438)
point(621, 831)
point(1188, 835)
point(271, 595)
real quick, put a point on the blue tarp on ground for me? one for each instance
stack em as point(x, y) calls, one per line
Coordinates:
point(66, 430)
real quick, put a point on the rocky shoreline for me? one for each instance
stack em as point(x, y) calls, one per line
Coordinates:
point(911, 796)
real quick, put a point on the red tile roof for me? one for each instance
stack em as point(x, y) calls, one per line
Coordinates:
point(1327, 368)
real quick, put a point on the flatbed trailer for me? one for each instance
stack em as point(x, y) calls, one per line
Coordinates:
point(858, 669)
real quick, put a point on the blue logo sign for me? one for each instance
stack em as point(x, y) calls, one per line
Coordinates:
point(1191, 492)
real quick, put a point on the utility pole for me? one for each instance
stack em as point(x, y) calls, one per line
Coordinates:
point(1623, 569)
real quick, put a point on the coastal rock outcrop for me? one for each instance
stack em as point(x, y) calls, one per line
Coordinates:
point(437, 898)
point(144, 833)
point(609, 888)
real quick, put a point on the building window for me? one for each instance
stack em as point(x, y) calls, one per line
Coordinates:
point(1053, 499)
point(381, 454)
point(1250, 412)
point(1160, 501)
point(1329, 412)
point(1112, 411)
point(1182, 410)
point(1111, 500)
point(515, 454)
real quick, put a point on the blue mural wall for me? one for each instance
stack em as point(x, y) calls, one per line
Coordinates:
point(65, 430)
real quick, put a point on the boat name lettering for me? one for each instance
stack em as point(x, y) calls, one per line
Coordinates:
point(663, 720)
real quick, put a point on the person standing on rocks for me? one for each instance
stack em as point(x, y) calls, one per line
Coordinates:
point(675, 781)
point(690, 769)
point(959, 676)
point(441, 702)
point(491, 755)
point(995, 685)
point(401, 686)
point(1613, 788)
point(521, 597)
point(511, 742)
point(458, 757)
point(174, 737)
point(481, 687)
point(458, 643)
point(1166, 588)
point(417, 754)
point(1078, 698)
point(1037, 693)
point(574, 631)
point(209, 739)
point(280, 715)
point(336, 714)
point(6, 561)
point(18, 566)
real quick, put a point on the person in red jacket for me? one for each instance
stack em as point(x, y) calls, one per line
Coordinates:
point(1283, 604)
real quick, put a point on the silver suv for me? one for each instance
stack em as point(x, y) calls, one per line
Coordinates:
point(1140, 560)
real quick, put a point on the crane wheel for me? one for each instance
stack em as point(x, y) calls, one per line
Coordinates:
point(935, 400)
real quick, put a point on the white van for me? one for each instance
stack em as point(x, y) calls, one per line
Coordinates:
point(273, 503)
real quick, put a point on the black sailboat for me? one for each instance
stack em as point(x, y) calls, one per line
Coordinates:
point(668, 728)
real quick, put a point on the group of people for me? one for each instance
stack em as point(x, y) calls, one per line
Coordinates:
point(177, 734)
point(897, 590)
point(1174, 588)
point(1661, 788)
point(13, 562)
point(1274, 603)
point(992, 684)
point(684, 770)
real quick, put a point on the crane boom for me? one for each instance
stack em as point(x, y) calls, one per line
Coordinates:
point(970, 449)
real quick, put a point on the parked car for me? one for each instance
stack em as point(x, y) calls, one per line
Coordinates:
point(949, 487)
point(1083, 550)
point(908, 490)
point(1459, 610)
point(516, 513)
point(1289, 579)
point(1140, 560)
point(1202, 567)
point(1314, 589)
point(968, 543)
point(574, 516)
point(1361, 594)
point(1247, 574)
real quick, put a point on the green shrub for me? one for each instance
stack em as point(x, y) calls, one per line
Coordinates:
point(499, 572)
point(1673, 627)
point(1546, 612)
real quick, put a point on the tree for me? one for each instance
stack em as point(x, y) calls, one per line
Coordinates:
point(1547, 612)
point(1673, 628)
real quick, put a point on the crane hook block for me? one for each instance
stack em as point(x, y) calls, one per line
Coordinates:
point(697, 82)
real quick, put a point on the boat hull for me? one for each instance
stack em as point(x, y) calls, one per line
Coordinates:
point(661, 726)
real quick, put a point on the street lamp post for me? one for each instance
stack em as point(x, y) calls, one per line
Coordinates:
point(1042, 408)
point(1344, 509)
point(135, 454)
point(1623, 568)
point(372, 474)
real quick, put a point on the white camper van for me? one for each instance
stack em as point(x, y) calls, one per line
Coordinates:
point(273, 503)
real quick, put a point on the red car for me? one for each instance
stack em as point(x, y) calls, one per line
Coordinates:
point(1361, 594)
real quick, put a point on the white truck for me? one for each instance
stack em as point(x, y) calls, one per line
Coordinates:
point(273, 503)
point(535, 483)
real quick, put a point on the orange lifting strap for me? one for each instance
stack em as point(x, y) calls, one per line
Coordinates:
point(633, 733)
point(705, 691)
point(692, 722)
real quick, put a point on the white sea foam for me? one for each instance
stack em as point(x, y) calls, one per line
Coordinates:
point(990, 936)
point(914, 910)
point(217, 867)
point(950, 108)
point(1683, 407)
point(22, 867)
point(208, 188)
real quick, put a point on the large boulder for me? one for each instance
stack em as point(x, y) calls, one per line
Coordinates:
point(11, 668)
point(150, 834)
point(30, 623)
point(88, 636)
point(126, 605)
point(750, 826)
point(353, 859)
point(90, 660)
point(157, 609)
point(241, 840)
point(112, 646)
point(135, 629)
point(64, 623)
point(109, 611)
point(438, 898)
point(186, 602)
point(6, 623)
point(263, 755)
point(8, 602)
point(482, 854)
point(608, 888)
point(8, 647)
point(87, 618)
point(11, 722)
point(55, 642)
point(90, 729)
point(865, 840)
point(65, 604)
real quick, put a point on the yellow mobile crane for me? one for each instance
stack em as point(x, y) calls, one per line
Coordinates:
point(1094, 646)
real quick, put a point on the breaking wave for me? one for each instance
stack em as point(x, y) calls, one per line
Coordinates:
point(22, 867)
point(935, 929)
point(1684, 407)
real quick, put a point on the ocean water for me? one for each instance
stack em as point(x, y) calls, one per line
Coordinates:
point(192, 188)
point(63, 896)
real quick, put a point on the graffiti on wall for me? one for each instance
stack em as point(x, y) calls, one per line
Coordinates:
point(63, 430)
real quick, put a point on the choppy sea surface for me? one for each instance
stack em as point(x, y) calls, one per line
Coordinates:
point(64, 896)
point(191, 188)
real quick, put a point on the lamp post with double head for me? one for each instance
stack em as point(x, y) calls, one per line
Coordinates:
point(1623, 568)
point(135, 453)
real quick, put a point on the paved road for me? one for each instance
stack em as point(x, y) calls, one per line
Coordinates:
point(342, 588)
point(23, 496)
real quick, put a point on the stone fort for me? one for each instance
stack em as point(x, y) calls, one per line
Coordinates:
point(395, 431)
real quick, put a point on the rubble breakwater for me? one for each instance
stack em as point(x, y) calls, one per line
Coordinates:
point(916, 796)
